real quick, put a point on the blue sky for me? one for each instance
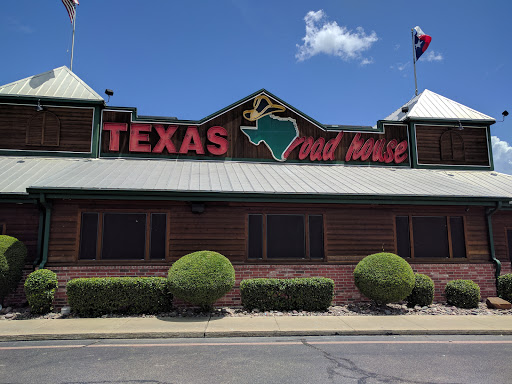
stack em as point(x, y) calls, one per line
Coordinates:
point(191, 58)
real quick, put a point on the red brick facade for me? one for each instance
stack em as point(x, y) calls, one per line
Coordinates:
point(345, 290)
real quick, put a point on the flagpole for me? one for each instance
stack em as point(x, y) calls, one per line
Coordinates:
point(73, 43)
point(414, 60)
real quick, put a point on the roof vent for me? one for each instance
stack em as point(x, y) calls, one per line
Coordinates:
point(405, 109)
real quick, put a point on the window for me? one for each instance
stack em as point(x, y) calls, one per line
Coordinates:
point(285, 237)
point(452, 146)
point(420, 237)
point(43, 129)
point(123, 236)
point(509, 243)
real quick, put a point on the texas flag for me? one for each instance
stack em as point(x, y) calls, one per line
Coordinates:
point(421, 42)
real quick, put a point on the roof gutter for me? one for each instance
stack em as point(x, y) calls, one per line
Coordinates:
point(46, 228)
point(488, 213)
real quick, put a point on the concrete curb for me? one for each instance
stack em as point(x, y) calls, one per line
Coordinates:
point(212, 335)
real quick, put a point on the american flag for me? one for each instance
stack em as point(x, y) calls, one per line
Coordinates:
point(71, 8)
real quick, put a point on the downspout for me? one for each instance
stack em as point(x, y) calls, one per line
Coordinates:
point(40, 232)
point(489, 212)
point(46, 236)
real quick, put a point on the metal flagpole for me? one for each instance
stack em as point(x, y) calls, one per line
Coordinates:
point(414, 60)
point(73, 43)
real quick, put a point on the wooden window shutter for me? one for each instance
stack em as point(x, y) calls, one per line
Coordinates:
point(43, 129)
point(452, 146)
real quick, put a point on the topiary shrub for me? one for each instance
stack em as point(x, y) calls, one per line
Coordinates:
point(12, 259)
point(384, 277)
point(309, 294)
point(423, 291)
point(505, 287)
point(40, 289)
point(98, 296)
point(201, 278)
point(462, 293)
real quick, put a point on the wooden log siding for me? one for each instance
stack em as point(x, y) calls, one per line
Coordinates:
point(75, 128)
point(22, 222)
point(429, 145)
point(501, 222)
point(350, 232)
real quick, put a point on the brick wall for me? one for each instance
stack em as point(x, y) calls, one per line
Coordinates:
point(345, 290)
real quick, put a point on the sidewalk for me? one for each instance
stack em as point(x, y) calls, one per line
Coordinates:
point(151, 327)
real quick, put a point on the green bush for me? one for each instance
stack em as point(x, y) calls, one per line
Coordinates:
point(201, 278)
point(124, 295)
point(505, 287)
point(384, 277)
point(462, 293)
point(309, 294)
point(40, 289)
point(423, 291)
point(12, 260)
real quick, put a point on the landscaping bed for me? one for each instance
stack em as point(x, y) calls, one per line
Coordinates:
point(356, 309)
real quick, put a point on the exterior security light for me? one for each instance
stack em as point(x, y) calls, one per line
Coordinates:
point(39, 107)
point(109, 93)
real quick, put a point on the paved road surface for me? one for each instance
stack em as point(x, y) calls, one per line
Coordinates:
point(347, 359)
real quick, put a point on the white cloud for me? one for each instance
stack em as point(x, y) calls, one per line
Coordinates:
point(502, 155)
point(15, 25)
point(402, 66)
point(330, 38)
point(366, 61)
point(432, 56)
point(397, 47)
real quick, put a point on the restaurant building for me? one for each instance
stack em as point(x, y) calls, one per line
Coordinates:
point(95, 190)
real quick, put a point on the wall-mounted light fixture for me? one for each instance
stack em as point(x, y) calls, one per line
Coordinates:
point(504, 114)
point(460, 127)
point(39, 107)
point(109, 93)
point(197, 207)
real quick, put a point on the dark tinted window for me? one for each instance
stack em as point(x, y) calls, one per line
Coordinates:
point(509, 240)
point(255, 243)
point(430, 236)
point(285, 237)
point(124, 236)
point(88, 236)
point(316, 237)
point(158, 235)
point(403, 244)
point(457, 232)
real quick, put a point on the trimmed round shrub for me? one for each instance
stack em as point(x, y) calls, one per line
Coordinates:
point(12, 260)
point(40, 289)
point(505, 287)
point(384, 277)
point(462, 293)
point(201, 278)
point(423, 292)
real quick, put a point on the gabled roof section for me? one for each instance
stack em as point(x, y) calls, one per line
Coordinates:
point(431, 106)
point(59, 83)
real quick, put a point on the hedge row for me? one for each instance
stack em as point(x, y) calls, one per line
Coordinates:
point(123, 295)
point(309, 294)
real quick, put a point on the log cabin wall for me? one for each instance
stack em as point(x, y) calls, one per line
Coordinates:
point(502, 232)
point(350, 232)
point(22, 222)
point(56, 129)
point(444, 145)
